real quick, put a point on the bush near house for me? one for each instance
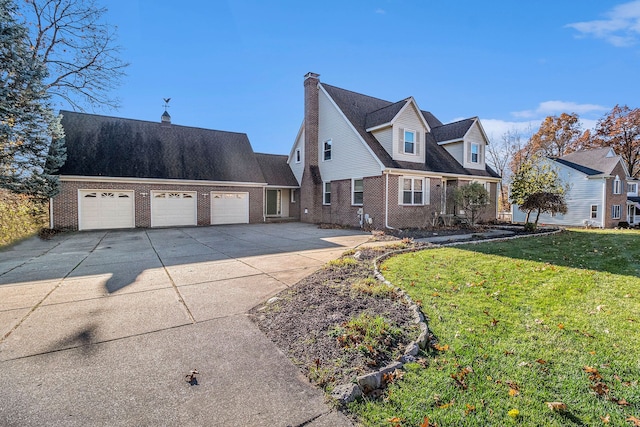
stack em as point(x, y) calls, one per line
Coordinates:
point(537, 331)
point(20, 217)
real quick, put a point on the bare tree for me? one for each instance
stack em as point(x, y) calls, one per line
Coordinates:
point(78, 48)
point(500, 155)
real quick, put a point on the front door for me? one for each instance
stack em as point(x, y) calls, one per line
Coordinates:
point(273, 202)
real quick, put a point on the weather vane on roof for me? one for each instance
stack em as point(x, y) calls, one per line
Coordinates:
point(166, 103)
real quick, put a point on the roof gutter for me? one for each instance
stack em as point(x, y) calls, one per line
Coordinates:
point(130, 180)
point(439, 174)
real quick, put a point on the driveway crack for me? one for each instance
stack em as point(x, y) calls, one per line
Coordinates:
point(173, 283)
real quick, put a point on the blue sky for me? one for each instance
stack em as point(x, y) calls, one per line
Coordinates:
point(239, 65)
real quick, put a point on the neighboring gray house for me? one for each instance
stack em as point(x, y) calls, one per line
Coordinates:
point(597, 195)
point(361, 159)
point(123, 173)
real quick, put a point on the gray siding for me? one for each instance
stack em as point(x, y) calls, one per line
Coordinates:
point(298, 168)
point(385, 138)
point(350, 157)
point(456, 149)
point(474, 135)
point(409, 120)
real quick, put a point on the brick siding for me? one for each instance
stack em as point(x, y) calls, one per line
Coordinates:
point(65, 204)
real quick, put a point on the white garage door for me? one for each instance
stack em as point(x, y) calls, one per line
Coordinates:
point(229, 208)
point(100, 209)
point(170, 209)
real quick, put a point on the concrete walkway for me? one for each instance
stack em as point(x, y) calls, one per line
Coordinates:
point(100, 328)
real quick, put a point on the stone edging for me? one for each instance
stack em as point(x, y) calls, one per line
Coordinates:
point(370, 382)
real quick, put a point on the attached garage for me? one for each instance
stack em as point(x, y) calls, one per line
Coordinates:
point(229, 208)
point(169, 209)
point(104, 209)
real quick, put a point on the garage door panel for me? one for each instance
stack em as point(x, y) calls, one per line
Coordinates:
point(106, 209)
point(229, 208)
point(170, 209)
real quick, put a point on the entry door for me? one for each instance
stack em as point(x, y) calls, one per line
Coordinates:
point(273, 202)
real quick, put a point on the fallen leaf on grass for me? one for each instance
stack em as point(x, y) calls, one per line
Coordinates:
point(634, 420)
point(560, 326)
point(441, 347)
point(622, 402)
point(470, 408)
point(600, 388)
point(395, 421)
point(541, 361)
point(513, 392)
point(426, 423)
point(606, 419)
point(557, 406)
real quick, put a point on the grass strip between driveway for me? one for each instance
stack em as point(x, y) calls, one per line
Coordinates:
point(538, 331)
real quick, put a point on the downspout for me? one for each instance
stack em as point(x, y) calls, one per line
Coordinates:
point(604, 203)
point(386, 202)
point(264, 204)
point(51, 213)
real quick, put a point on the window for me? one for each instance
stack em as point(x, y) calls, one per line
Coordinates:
point(292, 195)
point(632, 187)
point(409, 142)
point(594, 211)
point(475, 153)
point(298, 156)
point(327, 150)
point(412, 193)
point(357, 189)
point(615, 212)
point(326, 193)
point(617, 187)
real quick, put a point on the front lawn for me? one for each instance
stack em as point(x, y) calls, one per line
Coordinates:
point(536, 331)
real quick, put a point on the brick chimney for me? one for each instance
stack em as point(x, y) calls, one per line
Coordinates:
point(311, 185)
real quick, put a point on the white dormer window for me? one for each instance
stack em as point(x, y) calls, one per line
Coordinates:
point(617, 185)
point(475, 152)
point(409, 142)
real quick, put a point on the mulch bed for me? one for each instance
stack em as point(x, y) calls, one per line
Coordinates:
point(300, 321)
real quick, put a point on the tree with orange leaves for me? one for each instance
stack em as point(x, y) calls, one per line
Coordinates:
point(620, 130)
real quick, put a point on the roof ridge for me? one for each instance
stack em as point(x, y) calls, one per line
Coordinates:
point(387, 106)
point(149, 121)
point(457, 121)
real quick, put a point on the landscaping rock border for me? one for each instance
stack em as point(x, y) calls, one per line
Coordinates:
point(370, 383)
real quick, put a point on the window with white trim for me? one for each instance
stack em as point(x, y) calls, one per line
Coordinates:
point(615, 212)
point(409, 142)
point(617, 185)
point(475, 152)
point(292, 195)
point(412, 191)
point(357, 191)
point(326, 193)
point(326, 149)
point(594, 211)
point(632, 187)
point(298, 155)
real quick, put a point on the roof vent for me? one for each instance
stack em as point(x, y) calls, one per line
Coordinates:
point(165, 118)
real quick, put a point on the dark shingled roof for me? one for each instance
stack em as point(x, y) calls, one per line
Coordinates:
point(384, 114)
point(451, 131)
point(585, 170)
point(115, 147)
point(595, 160)
point(276, 170)
point(356, 107)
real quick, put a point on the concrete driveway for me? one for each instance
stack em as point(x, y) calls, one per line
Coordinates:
point(100, 328)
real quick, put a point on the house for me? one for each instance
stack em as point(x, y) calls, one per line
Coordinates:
point(123, 173)
point(361, 160)
point(596, 197)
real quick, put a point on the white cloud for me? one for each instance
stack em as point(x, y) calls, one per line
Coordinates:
point(549, 108)
point(495, 128)
point(620, 28)
point(380, 11)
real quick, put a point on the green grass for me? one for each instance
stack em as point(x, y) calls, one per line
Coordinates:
point(518, 324)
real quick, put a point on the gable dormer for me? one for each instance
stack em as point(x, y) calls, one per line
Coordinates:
point(465, 140)
point(401, 129)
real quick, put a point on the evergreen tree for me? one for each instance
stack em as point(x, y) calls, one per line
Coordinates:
point(31, 136)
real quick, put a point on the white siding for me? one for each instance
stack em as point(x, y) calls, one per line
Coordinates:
point(474, 135)
point(385, 138)
point(410, 120)
point(298, 168)
point(582, 194)
point(456, 149)
point(349, 155)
